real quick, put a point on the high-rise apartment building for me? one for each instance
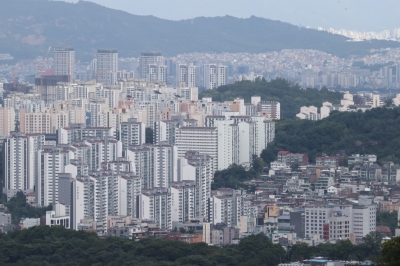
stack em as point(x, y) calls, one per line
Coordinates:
point(214, 75)
point(186, 73)
point(155, 204)
point(156, 73)
point(199, 168)
point(149, 58)
point(226, 206)
point(107, 66)
point(50, 161)
point(155, 164)
point(240, 137)
point(188, 93)
point(43, 122)
point(7, 121)
point(19, 162)
point(132, 133)
point(78, 132)
point(228, 143)
point(185, 201)
point(64, 62)
point(201, 139)
point(164, 130)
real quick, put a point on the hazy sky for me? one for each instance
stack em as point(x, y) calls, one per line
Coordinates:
point(365, 15)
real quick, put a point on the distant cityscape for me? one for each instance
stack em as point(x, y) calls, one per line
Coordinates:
point(308, 68)
point(393, 35)
point(126, 147)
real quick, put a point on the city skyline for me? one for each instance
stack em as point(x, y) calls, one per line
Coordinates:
point(245, 141)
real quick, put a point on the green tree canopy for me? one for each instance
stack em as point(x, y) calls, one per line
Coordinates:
point(290, 96)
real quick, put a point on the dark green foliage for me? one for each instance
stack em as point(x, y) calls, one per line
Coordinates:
point(342, 250)
point(149, 135)
point(390, 253)
point(88, 26)
point(372, 132)
point(232, 177)
point(18, 208)
point(388, 219)
point(290, 96)
point(44, 245)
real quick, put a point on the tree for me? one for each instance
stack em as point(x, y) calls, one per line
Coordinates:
point(149, 135)
point(19, 209)
point(371, 246)
point(295, 167)
point(258, 164)
point(390, 253)
point(371, 132)
point(388, 219)
point(232, 177)
point(290, 96)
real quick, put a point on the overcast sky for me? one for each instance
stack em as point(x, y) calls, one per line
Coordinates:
point(368, 15)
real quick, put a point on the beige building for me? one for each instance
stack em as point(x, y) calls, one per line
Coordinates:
point(7, 121)
point(43, 122)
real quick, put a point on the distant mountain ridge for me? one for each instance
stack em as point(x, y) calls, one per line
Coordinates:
point(29, 27)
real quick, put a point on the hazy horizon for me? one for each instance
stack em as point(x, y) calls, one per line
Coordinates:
point(348, 14)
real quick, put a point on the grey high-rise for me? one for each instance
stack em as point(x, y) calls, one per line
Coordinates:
point(107, 66)
point(149, 58)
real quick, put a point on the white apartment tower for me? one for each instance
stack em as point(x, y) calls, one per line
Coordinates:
point(199, 168)
point(50, 161)
point(155, 164)
point(185, 201)
point(228, 143)
point(83, 200)
point(149, 58)
point(155, 204)
point(156, 73)
point(19, 162)
point(201, 139)
point(164, 130)
point(132, 133)
point(107, 66)
point(226, 206)
point(214, 75)
point(364, 217)
point(64, 62)
point(186, 73)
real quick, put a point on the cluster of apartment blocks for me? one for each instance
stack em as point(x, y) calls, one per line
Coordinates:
point(86, 154)
point(349, 103)
point(151, 66)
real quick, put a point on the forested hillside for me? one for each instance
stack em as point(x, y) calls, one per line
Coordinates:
point(373, 132)
point(43, 245)
point(291, 96)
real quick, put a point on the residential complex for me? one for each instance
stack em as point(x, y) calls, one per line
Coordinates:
point(136, 151)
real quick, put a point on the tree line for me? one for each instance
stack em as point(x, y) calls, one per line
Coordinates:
point(42, 245)
point(372, 132)
point(290, 96)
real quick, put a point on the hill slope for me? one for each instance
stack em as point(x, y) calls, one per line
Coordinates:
point(29, 27)
point(290, 96)
point(372, 132)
